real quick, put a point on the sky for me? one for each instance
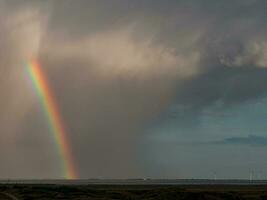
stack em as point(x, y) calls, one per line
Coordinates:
point(145, 89)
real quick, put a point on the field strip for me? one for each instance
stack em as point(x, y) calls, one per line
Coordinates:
point(10, 196)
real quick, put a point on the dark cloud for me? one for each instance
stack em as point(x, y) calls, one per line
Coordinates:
point(117, 66)
point(249, 140)
point(225, 85)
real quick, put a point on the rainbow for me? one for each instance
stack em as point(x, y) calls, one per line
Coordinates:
point(50, 107)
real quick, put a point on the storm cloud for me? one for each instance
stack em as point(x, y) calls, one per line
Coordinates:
point(119, 67)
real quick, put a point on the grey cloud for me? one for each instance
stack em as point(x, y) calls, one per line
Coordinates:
point(252, 140)
point(249, 140)
point(115, 66)
point(228, 85)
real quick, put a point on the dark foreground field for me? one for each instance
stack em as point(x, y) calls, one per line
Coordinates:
point(149, 192)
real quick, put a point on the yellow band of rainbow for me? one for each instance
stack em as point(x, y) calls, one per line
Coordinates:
point(50, 107)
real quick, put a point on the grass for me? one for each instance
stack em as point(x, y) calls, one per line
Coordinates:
point(135, 192)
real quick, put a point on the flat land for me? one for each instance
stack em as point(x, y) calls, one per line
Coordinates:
point(132, 192)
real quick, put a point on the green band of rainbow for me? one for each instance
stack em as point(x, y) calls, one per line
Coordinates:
point(42, 88)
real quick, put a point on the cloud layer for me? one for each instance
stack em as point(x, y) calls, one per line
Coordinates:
point(249, 140)
point(119, 67)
